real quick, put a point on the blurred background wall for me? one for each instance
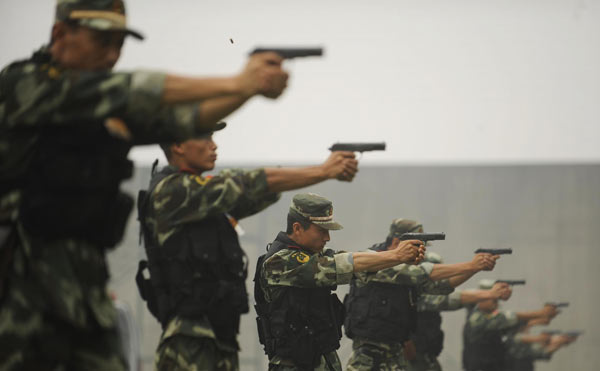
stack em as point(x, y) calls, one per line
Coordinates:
point(548, 214)
point(442, 81)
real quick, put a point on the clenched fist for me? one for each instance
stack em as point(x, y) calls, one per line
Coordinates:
point(263, 75)
point(340, 165)
point(408, 252)
point(501, 290)
point(549, 311)
point(484, 261)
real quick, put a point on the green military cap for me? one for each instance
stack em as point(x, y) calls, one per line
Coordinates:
point(401, 226)
point(218, 126)
point(486, 284)
point(102, 15)
point(209, 131)
point(317, 209)
point(434, 258)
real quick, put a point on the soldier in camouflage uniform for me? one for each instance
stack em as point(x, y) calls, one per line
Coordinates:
point(66, 125)
point(524, 349)
point(381, 306)
point(484, 348)
point(429, 337)
point(299, 319)
point(197, 267)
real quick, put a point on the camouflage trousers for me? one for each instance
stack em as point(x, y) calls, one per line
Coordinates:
point(182, 352)
point(329, 362)
point(32, 339)
point(424, 362)
point(368, 355)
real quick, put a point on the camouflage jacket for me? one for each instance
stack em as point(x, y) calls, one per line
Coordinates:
point(181, 198)
point(480, 324)
point(401, 274)
point(517, 349)
point(36, 95)
point(290, 267)
point(437, 303)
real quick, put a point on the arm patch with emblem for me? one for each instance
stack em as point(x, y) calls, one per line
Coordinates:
point(300, 257)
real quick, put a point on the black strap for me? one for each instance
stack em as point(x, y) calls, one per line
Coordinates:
point(6, 254)
point(329, 365)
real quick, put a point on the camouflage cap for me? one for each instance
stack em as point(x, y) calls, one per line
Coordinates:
point(218, 126)
point(101, 15)
point(486, 284)
point(317, 209)
point(401, 226)
point(434, 258)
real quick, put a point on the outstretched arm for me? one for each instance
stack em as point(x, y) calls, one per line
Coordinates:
point(498, 291)
point(261, 75)
point(220, 96)
point(340, 165)
point(548, 311)
point(410, 251)
point(460, 279)
point(480, 262)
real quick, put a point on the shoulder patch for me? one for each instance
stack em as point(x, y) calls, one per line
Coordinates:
point(300, 257)
point(52, 71)
point(200, 180)
point(492, 314)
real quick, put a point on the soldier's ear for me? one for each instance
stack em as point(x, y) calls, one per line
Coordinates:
point(297, 227)
point(177, 148)
point(59, 29)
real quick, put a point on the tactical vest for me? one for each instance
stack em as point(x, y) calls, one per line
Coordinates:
point(429, 337)
point(71, 187)
point(485, 354)
point(378, 311)
point(302, 324)
point(198, 272)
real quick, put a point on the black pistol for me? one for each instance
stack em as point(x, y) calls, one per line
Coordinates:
point(358, 147)
point(512, 282)
point(494, 251)
point(563, 304)
point(423, 236)
point(573, 334)
point(289, 53)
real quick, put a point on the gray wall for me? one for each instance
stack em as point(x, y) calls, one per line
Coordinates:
point(548, 214)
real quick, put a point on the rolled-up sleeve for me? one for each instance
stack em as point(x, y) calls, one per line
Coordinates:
point(146, 91)
point(436, 303)
point(150, 120)
point(401, 274)
point(292, 268)
point(427, 267)
point(344, 267)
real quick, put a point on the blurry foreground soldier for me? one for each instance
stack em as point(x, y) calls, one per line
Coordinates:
point(299, 318)
point(524, 349)
point(484, 348)
point(197, 268)
point(66, 125)
point(381, 308)
point(428, 338)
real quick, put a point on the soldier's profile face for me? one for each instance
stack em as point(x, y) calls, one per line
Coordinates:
point(199, 154)
point(313, 238)
point(81, 48)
